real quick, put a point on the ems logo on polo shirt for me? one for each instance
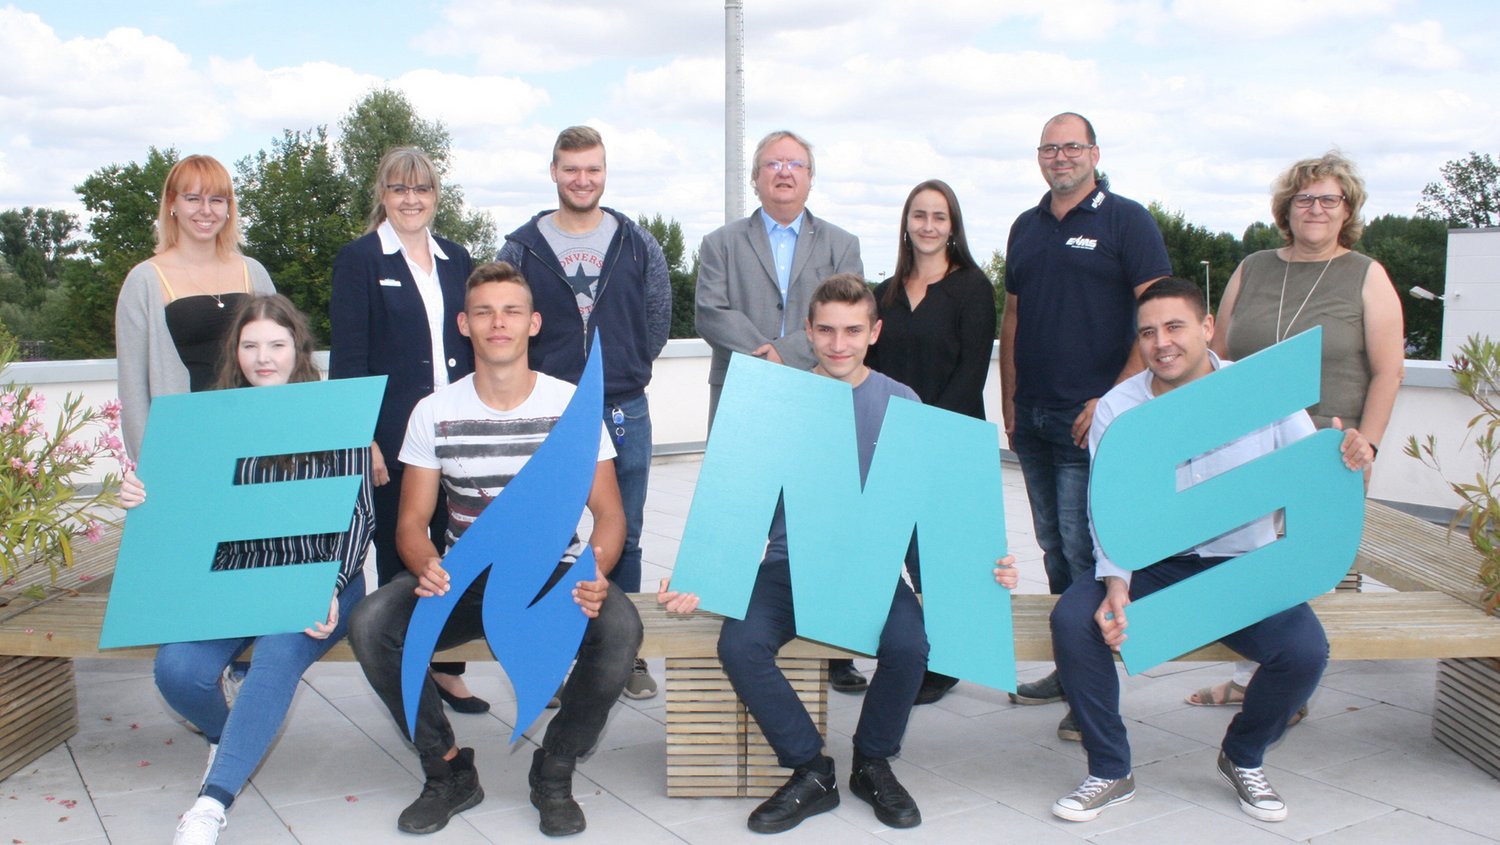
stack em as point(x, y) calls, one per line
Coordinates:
point(1080, 242)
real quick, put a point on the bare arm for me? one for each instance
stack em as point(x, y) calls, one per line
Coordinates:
point(1385, 346)
point(419, 489)
point(1008, 364)
point(608, 538)
point(1220, 342)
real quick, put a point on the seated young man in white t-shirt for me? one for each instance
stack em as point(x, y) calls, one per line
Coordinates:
point(472, 437)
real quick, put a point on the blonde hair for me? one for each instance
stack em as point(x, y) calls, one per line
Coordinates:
point(209, 176)
point(404, 165)
point(1332, 165)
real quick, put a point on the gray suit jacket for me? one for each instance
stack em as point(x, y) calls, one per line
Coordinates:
point(739, 302)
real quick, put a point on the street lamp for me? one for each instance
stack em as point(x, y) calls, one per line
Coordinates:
point(1208, 293)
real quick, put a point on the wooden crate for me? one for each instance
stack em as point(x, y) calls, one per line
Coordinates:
point(714, 747)
point(38, 709)
point(1466, 711)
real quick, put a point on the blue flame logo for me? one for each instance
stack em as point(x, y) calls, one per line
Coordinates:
point(523, 534)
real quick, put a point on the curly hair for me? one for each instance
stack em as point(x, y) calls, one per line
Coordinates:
point(1332, 165)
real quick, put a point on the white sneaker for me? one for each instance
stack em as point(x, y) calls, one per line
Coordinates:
point(201, 824)
point(640, 685)
point(230, 684)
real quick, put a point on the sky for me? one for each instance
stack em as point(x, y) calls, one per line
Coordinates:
point(1198, 104)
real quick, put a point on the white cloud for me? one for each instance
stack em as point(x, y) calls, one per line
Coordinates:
point(1267, 18)
point(1421, 46)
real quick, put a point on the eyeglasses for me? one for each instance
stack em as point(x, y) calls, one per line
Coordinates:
point(792, 166)
point(403, 190)
point(1069, 150)
point(1325, 200)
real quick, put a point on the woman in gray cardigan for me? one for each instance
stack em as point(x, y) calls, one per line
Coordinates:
point(174, 308)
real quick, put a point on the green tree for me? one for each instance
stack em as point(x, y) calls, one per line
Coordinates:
point(1189, 245)
point(668, 233)
point(385, 119)
point(1468, 195)
point(995, 270)
point(1414, 251)
point(123, 199)
point(295, 208)
point(1258, 236)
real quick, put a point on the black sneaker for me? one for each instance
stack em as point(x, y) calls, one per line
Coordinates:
point(1042, 691)
point(843, 677)
point(874, 783)
point(935, 685)
point(807, 792)
point(551, 780)
point(452, 786)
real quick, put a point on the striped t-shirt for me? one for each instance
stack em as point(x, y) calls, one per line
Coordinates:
point(479, 449)
point(348, 546)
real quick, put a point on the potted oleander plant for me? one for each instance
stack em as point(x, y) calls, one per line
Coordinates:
point(43, 457)
point(1469, 689)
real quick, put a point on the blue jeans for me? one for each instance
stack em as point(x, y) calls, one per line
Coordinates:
point(632, 439)
point(748, 647)
point(1057, 485)
point(1290, 647)
point(188, 676)
point(605, 659)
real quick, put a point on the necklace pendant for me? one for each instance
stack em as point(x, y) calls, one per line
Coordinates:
point(221, 303)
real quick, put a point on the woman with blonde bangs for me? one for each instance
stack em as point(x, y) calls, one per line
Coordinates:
point(397, 292)
point(174, 308)
point(1317, 279)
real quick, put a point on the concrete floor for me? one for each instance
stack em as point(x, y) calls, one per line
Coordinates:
point(1363, 768)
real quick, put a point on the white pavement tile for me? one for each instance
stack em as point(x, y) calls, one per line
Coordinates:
point(1400, 828)
point(47, 802)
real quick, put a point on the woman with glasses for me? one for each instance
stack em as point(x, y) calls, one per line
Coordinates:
point(174, 308)
point(937, 313)
point(397, 292)
point(1317, 279)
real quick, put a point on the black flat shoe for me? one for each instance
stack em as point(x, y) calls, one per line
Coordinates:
point(472, 704)
point(843, 677)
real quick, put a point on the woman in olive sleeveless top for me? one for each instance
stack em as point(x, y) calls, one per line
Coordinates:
point(1318, 280)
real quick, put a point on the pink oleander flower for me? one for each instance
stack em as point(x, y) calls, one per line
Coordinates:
point(7, 416)
point(113, 443)
point(95, 532)
point(29, 469)
point(32, 426)
point(16, 463)
point(37, 402)
point(111, 409)
point(8, 398)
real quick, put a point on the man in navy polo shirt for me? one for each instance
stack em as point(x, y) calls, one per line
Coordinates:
point(1074, 266)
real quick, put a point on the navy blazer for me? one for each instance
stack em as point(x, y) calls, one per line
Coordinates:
point(381, 329)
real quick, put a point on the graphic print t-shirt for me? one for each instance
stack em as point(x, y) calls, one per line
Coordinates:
point(479, 449)
point(581, 257)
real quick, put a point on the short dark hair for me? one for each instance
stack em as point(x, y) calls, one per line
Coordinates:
point(497, 271)
point(1178, 288)
point(847, 288)
point(576, 138)
point(1088, 128)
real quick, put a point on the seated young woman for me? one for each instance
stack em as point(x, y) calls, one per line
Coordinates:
point(268, 344)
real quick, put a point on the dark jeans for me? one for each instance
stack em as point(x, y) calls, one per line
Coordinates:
point(605, 658)
point(1289, 646)
point(748, 647)
point(387, 502)
point(1057, 485)
point(632, 439)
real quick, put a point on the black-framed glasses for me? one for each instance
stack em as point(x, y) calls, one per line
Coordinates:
point(1329, 201)
point(1069, 150)
point(402, 190)
point(792, 166)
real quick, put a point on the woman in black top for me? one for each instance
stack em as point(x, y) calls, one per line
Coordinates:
point(937, 312)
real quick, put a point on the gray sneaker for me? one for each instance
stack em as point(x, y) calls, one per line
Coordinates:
point(1257, 798)
point(641, 685)
point(1043, 691)
point(1067, 729)
point(1092, 797)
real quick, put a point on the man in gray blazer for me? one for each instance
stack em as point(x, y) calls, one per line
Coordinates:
point(753, 273)
point(756, 278)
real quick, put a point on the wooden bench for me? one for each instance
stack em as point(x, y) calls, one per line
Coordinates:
point(714, 747)
point(1408, 553)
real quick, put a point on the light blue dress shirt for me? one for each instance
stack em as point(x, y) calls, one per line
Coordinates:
point(783, 251)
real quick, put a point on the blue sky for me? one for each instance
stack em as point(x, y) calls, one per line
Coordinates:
point(1198, 104)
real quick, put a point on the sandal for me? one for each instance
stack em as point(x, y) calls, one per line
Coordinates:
point(1297, 717)
point(1234, 696)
